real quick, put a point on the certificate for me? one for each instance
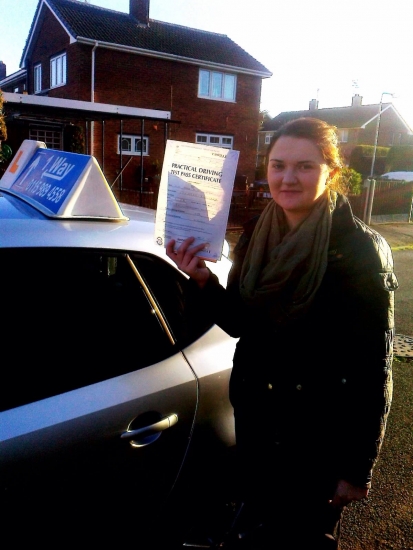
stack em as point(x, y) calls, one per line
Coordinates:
point(195, 195)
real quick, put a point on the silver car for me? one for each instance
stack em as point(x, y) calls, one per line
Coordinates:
point(115, 423)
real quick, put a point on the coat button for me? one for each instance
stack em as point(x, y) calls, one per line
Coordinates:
point(299, 387)
point(269, 386)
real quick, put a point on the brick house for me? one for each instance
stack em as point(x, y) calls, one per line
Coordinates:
point(356, 125)
point(209, 87)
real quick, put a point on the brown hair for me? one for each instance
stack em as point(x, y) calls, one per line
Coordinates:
point(323, 135)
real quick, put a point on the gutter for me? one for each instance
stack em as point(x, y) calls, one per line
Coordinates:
point(172, 57)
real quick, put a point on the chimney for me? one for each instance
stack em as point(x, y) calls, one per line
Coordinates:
point(313, 105)
point(356, 100)
point(139, 9)
point(2, 70)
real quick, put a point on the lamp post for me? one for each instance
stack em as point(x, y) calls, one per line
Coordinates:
point(376, 139)
point(371, 183)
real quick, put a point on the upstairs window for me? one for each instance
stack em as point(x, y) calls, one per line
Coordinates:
point(37, 78)
point(215, 140)
point(268, 139)
point(58, 70)
point(216, 85)
point(131, 145)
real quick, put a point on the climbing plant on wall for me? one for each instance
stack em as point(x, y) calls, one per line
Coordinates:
point(74, 140)
point(3, 129)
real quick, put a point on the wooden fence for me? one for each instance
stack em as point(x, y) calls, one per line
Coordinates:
point(392, 199)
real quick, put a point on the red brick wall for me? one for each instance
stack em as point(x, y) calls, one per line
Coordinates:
point(151, 83)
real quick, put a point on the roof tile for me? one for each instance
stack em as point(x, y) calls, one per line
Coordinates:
point(88, 21)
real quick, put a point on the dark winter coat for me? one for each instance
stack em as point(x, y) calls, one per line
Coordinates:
point(321, 385)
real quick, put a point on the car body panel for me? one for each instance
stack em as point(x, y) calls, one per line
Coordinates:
point(67, 455)
point(22, 226)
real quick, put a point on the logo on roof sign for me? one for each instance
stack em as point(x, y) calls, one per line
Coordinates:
point(50, 176)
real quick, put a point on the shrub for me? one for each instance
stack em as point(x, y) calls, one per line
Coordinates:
point(361, 158)
point(400, 157)
point(351, 181)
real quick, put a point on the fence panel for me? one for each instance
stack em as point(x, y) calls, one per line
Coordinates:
point(392, 200)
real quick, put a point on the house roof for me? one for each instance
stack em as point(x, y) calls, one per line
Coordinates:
point(87, 23)
point(342, 117)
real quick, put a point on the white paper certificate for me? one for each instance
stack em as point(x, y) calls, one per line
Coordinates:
point(195, 195)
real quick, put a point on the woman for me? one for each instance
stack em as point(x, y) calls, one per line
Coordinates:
point(310, 295)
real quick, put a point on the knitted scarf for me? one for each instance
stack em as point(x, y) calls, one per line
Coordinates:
point(283, 269)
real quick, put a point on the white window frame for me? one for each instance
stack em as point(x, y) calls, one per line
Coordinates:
point(52, 136)
point(58, 70)
point(134, 140)
point(342, 135)
point(37, 78)
point(217, 85)
point(227, 142)
point(267, 140)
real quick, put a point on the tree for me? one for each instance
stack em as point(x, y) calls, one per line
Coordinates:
point(264, 117)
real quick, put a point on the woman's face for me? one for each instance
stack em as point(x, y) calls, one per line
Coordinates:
point(297, 176)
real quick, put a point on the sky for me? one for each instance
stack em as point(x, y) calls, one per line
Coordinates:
point(320, 49)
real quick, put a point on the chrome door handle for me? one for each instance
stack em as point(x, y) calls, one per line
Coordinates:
point(149, 434)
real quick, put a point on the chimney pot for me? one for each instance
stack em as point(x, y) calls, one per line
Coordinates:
point(356, 100)
point(139, 9)
point(3, 71)
point(313, 105)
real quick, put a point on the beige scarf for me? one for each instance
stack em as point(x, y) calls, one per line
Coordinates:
point(283, 270)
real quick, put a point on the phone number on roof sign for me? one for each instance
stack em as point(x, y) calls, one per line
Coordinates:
point(42, 189)
point(50, 176)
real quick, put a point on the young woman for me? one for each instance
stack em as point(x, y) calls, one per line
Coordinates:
point(310, 296)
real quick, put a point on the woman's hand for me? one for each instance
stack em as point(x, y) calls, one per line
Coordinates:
point(346, 493)
point(187, 261)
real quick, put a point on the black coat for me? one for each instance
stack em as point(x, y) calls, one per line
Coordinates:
point(320, 385)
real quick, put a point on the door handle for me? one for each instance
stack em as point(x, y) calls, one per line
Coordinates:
point(149, 434)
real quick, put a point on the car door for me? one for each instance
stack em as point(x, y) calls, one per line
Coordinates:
point(97, 401)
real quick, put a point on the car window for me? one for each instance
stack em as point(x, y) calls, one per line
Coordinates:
point(167, 285)
point(75, 317)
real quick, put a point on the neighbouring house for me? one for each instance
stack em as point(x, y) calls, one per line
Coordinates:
point(120, 84)
point(356, 125)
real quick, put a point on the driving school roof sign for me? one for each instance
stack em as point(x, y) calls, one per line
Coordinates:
point(60, 184)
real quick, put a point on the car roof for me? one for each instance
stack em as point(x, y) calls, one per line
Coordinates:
point(401, 175)
point(27, 223)
point(22, 225)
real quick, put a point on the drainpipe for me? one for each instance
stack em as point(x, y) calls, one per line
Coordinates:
point(92, 97)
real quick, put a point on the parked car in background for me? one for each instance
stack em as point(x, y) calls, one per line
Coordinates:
point(261, 189)
point(115, 422)
point(401, 176)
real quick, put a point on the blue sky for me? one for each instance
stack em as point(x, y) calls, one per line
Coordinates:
point(321, 49)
